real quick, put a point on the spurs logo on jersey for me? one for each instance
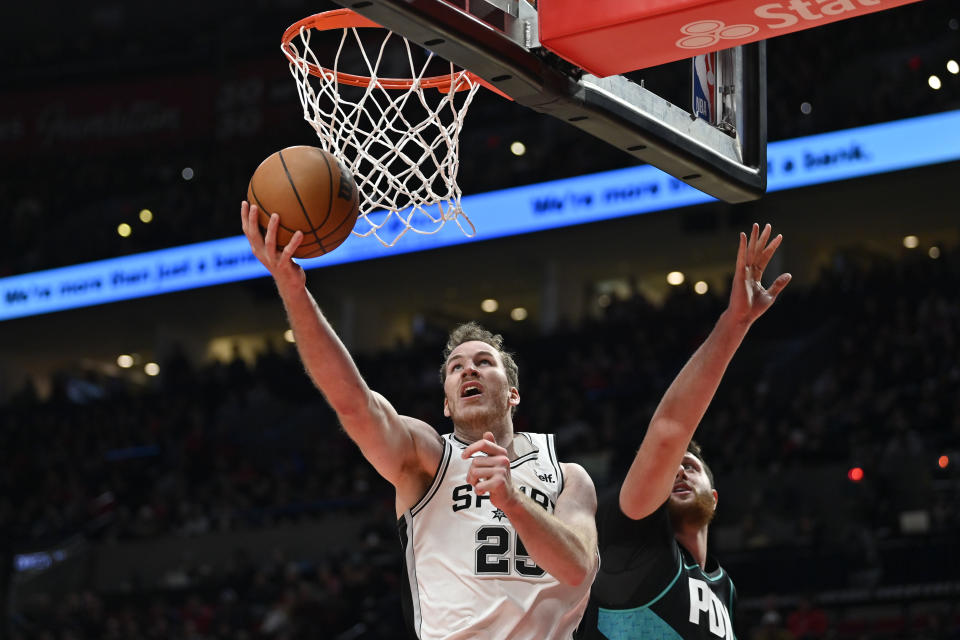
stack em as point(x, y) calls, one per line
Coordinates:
point(707, 609)
point(464, 498)
point(469, 571)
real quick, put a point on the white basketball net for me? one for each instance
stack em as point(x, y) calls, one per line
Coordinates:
point(402, 144)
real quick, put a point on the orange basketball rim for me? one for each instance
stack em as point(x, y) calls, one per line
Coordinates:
point(348, 19)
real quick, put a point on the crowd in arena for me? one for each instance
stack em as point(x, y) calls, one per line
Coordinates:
point(226, 447)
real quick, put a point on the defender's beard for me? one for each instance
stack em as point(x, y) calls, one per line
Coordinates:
point(696, 513)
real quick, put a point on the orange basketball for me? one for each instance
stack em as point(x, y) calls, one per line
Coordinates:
point(312, 192)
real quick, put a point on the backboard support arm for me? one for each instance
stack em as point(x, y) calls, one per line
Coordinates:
point(614, 109)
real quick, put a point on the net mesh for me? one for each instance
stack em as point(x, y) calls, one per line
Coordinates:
point(401, 142)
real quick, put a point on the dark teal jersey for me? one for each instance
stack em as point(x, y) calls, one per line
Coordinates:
point(649, 587)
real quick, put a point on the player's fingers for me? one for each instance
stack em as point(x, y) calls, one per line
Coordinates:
point(741, 254)
point(291, 247)
point(486, 477)
point(483, 446)
point(782, 281)
point(490, 462)
point(484, 487)
point(755, 245)
point(769, 251)
point(271, 238)
point(764, 236)
point(752, 243)
point(474, 477)
point(244, 212)
point(249, 213)
point(253, 223)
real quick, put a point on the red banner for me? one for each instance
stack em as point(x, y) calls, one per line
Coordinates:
point(608, 37)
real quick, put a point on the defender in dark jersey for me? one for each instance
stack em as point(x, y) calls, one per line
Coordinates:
point(656, 580)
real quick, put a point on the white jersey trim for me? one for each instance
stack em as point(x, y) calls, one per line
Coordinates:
point(411, 566)
point(437, 478)
point(552, 454)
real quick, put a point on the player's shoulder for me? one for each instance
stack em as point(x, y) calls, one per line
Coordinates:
point(428, 444)
point(577, 481)
point(576, 471)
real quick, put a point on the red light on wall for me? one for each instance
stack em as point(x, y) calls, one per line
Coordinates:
point(855, 474)
point(943, 462)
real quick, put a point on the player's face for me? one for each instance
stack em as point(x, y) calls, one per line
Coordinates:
point(692, 499)
point(476, 385)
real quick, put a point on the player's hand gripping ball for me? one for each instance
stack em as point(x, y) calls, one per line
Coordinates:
point(312, 192)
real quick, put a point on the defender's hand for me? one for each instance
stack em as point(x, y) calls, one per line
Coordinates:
point(748, 299)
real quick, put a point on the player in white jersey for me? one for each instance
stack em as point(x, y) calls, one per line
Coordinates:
point(493, 549)
point(459, 548)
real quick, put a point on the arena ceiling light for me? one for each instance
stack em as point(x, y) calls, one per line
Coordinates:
point(675, 278)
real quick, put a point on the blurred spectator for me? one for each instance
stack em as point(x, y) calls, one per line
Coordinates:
point(807, 621)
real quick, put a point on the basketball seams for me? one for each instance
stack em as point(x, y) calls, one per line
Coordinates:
point(263, 209)
point(346, 219)
point(280, 225)
point(296, 193)
point(310, 186)
point(253, 192)
point(353, 214)
point(332, 188)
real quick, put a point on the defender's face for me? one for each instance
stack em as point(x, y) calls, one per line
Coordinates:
point(476, 383)
point(691, 483)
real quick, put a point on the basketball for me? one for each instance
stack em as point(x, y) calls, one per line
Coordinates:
point(312, 192)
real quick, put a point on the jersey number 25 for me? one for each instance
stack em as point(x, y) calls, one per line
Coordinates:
point(493, 554)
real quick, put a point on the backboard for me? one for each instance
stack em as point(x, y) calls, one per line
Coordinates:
point(498, 40)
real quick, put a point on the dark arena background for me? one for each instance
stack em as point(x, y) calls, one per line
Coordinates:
point(168, 471)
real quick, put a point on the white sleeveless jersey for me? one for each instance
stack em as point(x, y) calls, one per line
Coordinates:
point(469, 574)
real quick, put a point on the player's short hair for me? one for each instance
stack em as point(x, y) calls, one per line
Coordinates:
point(470, 331)
point(695, 449)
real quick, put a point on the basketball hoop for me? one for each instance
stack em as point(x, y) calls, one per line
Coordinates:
point(401, 143)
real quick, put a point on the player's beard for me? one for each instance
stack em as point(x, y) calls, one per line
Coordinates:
point(695, 513)
point(477, 419)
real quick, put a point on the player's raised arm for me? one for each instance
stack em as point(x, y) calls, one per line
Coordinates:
point(651, 476)
point(392, 443)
